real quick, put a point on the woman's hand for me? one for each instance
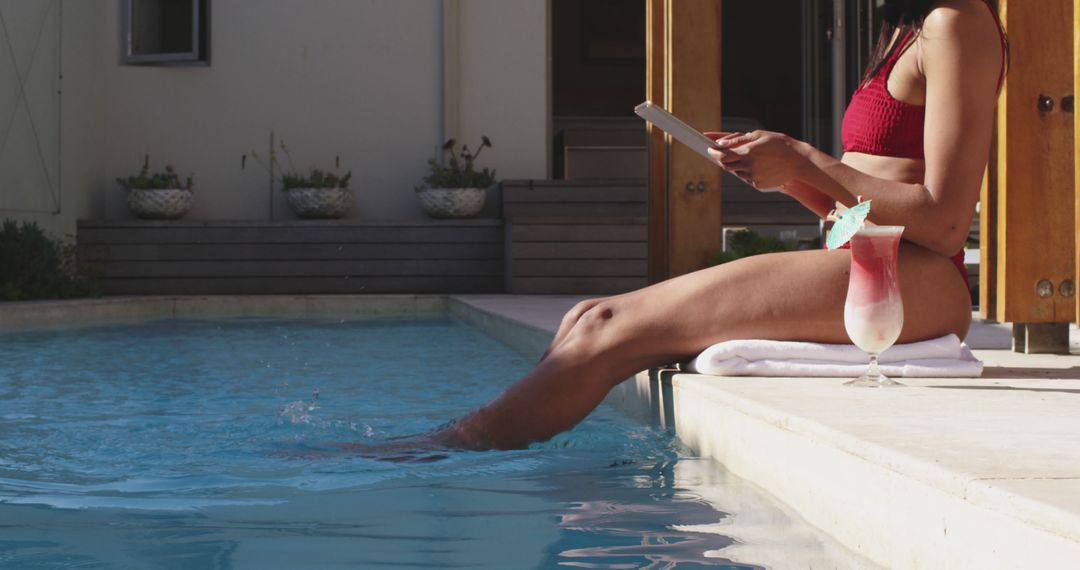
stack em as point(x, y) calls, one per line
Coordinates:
point(762, 159)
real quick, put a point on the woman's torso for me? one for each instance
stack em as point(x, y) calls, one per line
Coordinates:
point(901, 86)
point(905, 84)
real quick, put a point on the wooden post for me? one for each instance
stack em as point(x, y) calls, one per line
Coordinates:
point(988, 237)
point(654, 91)
point(1076, 133)
point(688, 57)
point(1036, 242)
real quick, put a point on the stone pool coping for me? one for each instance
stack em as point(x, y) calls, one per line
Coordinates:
point(959, 473)
point(112, 309)
point(945, 474)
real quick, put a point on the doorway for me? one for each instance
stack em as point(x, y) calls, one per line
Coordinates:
point(788, 68)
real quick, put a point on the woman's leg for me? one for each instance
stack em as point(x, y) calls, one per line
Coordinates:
point(787, 296)
point(568, 321)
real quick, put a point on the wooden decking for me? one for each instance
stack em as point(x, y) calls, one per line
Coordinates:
point(144, 257)
point(576, 255)
point(559, 237)
point(575, 236)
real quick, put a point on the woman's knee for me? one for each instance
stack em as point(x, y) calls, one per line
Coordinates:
point(574, 315)
point(599, 328)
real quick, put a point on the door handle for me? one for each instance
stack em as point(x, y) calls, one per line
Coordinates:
point(1046, 103)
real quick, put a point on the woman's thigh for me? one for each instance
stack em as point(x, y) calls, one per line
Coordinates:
point(784, 296)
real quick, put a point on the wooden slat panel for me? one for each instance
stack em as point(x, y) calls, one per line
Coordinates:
point(579, 250)
point(575, 285)
point(693, 93)
point(776, 214)
point(572, 194)
point(300, 234)
point(1076, 141)
point(655, 53)
point(580, 268)
point(581, 233)
point(578, 221)
point(301, 285)
point(218, 269)
point(287, 251)
point(988, 244)
point(583, 209)
point(1036, 155)
point(305, 257)
point(736, 190)
point(289, 224)
point(580, 183)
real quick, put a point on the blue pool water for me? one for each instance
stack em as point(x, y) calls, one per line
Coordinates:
point(213, 444)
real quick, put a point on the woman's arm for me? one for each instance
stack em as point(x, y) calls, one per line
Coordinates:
point(813, 199)
point(961, 79)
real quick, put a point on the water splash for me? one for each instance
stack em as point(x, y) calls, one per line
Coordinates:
point(300, 411)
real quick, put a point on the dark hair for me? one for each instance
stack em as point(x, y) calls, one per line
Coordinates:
point(903, 15)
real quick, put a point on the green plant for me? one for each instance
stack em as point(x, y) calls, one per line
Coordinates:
point(747, 243)
point(315, 179)
point(294, 179)
point(155, 181)
point(37, 266)
point(459, 171)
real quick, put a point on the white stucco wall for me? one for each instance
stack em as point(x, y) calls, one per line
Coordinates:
point(68, 127)
point(332, 78)
point(359, 80)
point(504, 81)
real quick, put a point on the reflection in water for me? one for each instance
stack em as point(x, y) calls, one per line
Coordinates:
point(677, 512)
point(210, 447)
point(625, 517)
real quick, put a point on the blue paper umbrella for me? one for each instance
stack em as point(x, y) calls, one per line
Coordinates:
point(850, 222)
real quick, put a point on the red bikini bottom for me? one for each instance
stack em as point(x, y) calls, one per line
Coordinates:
point(958, 261)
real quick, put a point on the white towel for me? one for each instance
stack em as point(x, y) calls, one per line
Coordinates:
point(944, 357)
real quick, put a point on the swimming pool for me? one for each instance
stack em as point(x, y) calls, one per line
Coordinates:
point(213, 443)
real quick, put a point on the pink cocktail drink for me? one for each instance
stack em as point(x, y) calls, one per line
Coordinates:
point(874, 311)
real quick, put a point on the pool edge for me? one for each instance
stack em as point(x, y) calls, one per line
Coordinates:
point(35, 314)
point(922, 521)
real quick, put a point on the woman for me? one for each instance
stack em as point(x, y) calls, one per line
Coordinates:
point(916, 140)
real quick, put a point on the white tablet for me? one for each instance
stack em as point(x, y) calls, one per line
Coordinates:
point(673, 126)
point(681, 131)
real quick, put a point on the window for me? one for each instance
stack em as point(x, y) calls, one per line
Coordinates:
point(166, 32)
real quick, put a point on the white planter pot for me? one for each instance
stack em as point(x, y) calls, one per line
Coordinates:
point(452, 202)
point(321, 203)
point(159, 204)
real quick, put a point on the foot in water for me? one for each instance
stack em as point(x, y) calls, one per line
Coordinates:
point(427, 447)
point(414, 449)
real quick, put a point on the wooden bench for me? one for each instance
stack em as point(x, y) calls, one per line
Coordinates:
point(744, 205)
point(576, 255)
point(617, 197)
point(312, 257)
point(575, 236)
point(590, 236)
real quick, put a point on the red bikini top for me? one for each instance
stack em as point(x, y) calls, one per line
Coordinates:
point(879, 124)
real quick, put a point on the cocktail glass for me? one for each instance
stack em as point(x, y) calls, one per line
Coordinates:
point(874, 312)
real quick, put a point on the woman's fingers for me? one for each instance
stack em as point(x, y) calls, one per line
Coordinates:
point(734, 140)
point(716, 135)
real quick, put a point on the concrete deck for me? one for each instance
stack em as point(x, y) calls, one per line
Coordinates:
point(959, 473)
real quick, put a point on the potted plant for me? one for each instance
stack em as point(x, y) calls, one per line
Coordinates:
point(456, 189)
point(318, 194)
point(159, 195)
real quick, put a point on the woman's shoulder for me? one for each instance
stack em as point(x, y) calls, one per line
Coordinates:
point(962, 20)
point(965, 27)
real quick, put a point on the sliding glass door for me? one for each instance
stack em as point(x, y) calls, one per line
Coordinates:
point(837, 38)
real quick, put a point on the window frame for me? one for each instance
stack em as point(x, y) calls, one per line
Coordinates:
point(200, 39)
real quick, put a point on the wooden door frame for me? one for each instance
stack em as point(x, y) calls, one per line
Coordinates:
point(683, 75)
